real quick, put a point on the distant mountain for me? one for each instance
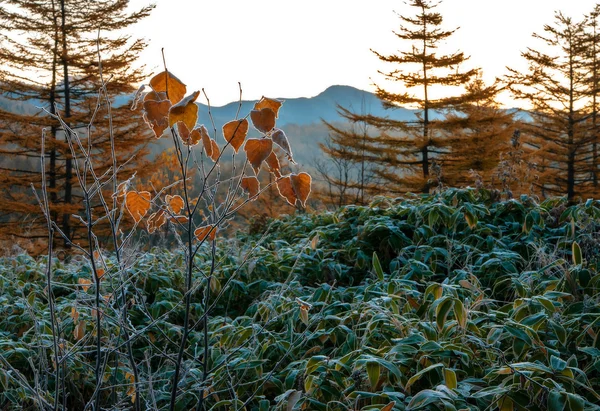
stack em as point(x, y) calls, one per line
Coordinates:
point(305, 111)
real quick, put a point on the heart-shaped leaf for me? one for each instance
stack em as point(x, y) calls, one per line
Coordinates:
point(171, 85)
point(266, 102)
point(301, 184)
point(251, 186)
point(175, 203)
point(156, 115)
point(138, 204)
point(284, 186)
point(156, 221)
point(258, 150)
point(263, 119)
point(235, 133)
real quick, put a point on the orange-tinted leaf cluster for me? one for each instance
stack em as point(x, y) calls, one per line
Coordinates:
point(295, 187)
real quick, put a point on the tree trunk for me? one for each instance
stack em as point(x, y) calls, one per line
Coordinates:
point(68, 161)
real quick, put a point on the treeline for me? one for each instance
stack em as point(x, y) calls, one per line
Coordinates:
point(466, 137)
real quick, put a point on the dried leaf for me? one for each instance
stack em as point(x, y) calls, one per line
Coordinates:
point(137, 204)
point(284, 186)
point(186, 110)
point(100, 272)
point(266, 102)
point(235, 133)
point(263, 119)
point(251, 186)
point(131, 389)
point(176, 89)
point(79, 331)
point(301, 184)
point(258, 150)
point(281, 140)
point(215, 152)
point(156, 115)
point(154, 96)
point(188, 138)
point(202, 232)
point(74, 314)
point(85, 283)
point(389, 407)
point(273, 163)
point(181, 219)
point(156, 221)
point(175, 203)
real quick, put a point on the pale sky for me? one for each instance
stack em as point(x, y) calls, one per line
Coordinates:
point(290, 48)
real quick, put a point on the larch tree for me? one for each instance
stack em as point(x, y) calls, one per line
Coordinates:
point(56, 55)
point(555, 86)
point(404, 150)
point(592, 27)
point(479, 133)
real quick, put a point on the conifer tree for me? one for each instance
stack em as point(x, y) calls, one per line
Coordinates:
point(555, 88)
point(405, 150)
point(51, 51)
point(479, 132)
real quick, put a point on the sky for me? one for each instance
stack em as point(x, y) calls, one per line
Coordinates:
point(291, 48)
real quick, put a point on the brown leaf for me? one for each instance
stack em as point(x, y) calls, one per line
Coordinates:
point(251, 186)
point(266, 102)
point(389, 407)
point(281, 140)
point(180, 219)
point(202, 232)
point(235, 133)
point(74, 314)
point(156, 221)
point(154, 96)
point(100, 273)
point(301, 184)
point(214, 149)
point(186, 110)
point(156, 115)
point(263, 119)
point(137, 204)
point(206, 141)
point(258, 150)
point(284, 186)
point(188, 138)
point(84, 283)
point(175, 203)
point(273, 163)
point(176, 89)
point(79, 331)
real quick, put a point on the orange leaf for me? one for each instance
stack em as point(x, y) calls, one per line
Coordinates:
point(74, 314)
point(301, 184)
point(389, 407)
point(156, 115)
point(257, 151)
point(266, 102)
point(137, 204)
point(188, 138)
point(79, 331)
point(202, 232)
point(206, 140)
point(214, 150)
point(281, 140)
point(180, 219)
point(85, 284)
point(286, 190)
point(186, 110)
point(156, 221)
point(100, 272)
point(235, 133)
point(263, 119)
point(273, 163)
point(153, 95)
point(176, 89)
point(175, 203)
point(251, 186)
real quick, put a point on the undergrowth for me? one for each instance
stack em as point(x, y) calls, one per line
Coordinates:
point(453, 301)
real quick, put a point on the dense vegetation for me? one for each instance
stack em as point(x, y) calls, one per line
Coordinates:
point(452, 301)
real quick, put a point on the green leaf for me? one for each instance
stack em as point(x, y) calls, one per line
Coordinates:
point(442, 310)
point(377, 266)
point(418, 375)
point(557, 364)
point(574, 402)
point(374, 372)
point(450, 378)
